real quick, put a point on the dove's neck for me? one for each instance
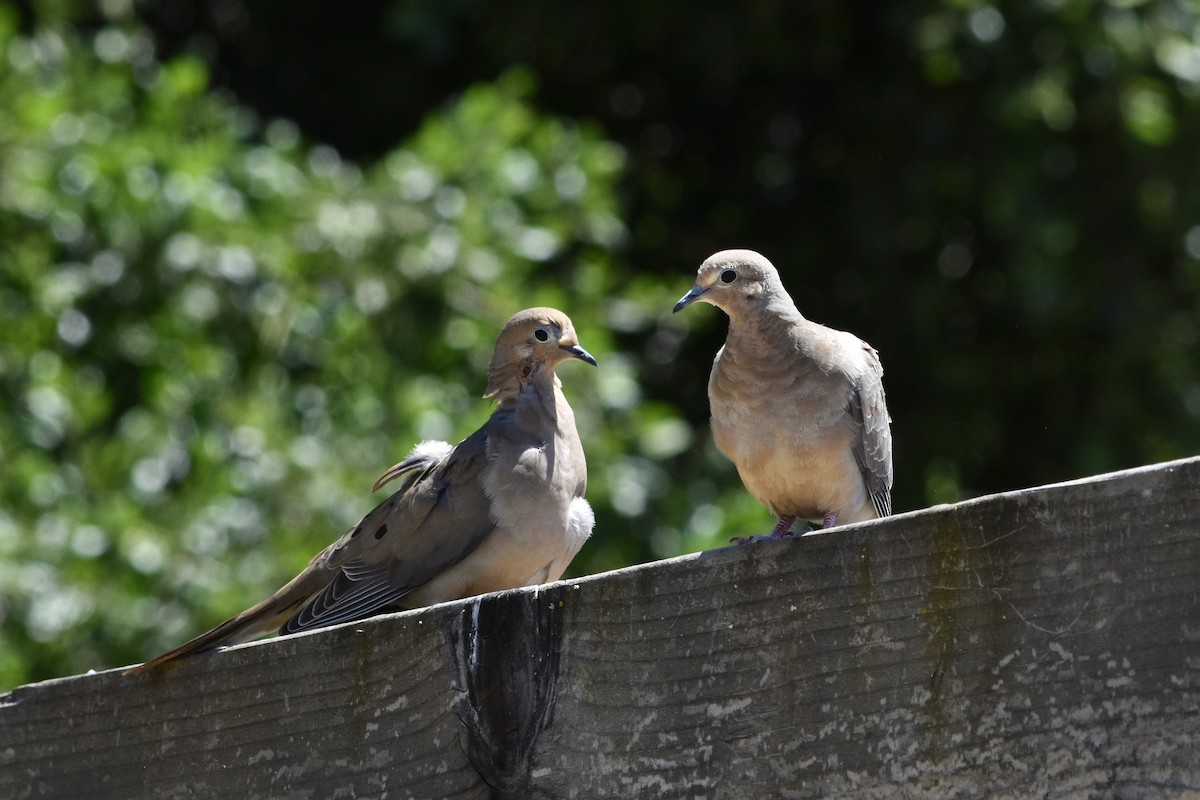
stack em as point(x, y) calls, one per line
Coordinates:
point(535, 379)
point(540, 412)
point(766, 323)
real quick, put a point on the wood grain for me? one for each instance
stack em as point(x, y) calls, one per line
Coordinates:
point(1037, 644)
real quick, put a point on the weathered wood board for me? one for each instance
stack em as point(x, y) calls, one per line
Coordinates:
point(1037, 644)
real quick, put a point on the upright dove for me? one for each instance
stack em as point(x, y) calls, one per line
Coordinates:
point(501, 509)
point(796, 406)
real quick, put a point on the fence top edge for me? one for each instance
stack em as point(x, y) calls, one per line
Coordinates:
point(728, 553)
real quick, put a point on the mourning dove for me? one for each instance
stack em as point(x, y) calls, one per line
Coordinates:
point(504, 508)
point(796, 406)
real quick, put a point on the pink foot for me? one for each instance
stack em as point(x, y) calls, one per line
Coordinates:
point(830, 520)
point(782, 527)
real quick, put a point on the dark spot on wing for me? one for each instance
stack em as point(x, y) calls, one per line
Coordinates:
point(381, 531)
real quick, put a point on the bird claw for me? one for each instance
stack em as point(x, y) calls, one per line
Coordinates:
point(752, 539)
point(777, 534)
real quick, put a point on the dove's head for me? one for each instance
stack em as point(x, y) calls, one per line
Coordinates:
point(531, 344)
point(733, 280)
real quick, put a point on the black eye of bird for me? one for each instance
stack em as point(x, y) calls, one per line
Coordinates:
point(541, 335)
point(728, 276)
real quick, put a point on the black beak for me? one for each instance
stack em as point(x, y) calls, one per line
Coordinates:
point(689, 298)
point(578, 352)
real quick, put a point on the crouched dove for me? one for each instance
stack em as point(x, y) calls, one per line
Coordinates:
point(503, 508)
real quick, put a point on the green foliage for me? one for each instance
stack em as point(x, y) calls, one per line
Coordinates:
point(217, 335)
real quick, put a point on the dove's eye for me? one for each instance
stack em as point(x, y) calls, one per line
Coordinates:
point(728, 276)
point(541, 335)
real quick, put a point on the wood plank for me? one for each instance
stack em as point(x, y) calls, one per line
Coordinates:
point(1041, 643)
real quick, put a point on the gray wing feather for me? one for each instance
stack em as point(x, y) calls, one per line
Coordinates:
point(436, 519)
point(874, 450)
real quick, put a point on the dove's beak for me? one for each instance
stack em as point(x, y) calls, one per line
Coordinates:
point(689, 298)
point(575, 351)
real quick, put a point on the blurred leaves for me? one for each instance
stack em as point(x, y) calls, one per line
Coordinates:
point(216, 335)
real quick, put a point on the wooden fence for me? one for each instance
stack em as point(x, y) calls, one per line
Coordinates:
point(1038, 644)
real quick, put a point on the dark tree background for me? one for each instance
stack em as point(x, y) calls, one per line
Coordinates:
point(1003, 199)
point(999, 198)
